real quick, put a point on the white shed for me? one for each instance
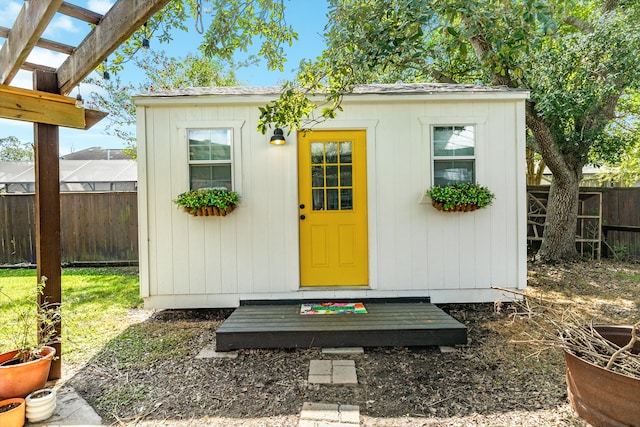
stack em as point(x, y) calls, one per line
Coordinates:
point(338, 213)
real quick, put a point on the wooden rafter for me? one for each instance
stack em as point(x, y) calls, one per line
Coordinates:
point(32, 20)
point(109, 32)
point(30, 66)
point(43, 43)
point(80, 13)
point(117, 25)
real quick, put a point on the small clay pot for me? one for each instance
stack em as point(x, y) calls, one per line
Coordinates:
point(41, 404)
point(13, 417)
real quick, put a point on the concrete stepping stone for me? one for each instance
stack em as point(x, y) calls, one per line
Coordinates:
point(336, 372)
point(329, 415)
point(209, 352)
point(343, 350)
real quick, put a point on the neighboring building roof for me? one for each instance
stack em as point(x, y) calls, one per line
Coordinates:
point(97, 153)
point(391, 89)
point(73, 171)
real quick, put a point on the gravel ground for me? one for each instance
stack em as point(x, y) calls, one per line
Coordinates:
point(149, 375)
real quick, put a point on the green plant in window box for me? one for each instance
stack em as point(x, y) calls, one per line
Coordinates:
point(460, 197)
point(216, 201)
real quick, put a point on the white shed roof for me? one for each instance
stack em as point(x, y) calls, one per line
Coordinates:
point(370, 89)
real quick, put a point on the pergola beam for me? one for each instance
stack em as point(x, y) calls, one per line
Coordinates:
point(80, 13)
point(116, 26)
point(44, 43)
point(30, 66)
point(32, 20)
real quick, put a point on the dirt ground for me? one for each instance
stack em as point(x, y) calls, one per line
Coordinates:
point(149, 375)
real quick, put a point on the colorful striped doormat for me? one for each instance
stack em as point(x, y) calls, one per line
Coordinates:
point(333, 308)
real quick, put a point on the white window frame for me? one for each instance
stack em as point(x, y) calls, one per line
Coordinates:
point(236, 147)
point(212, 162)
point(436, 159)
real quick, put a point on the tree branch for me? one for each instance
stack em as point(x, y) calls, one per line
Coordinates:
point(603, 113)
point(484, 52)
point(580, 24)
point(545, 143)
point(440, 77)
point(609, 5)
point(628, 347)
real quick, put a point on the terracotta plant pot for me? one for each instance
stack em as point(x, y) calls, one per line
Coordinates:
point(600, 396)
point(40, 405)
point(13, 417)
point(21, 379)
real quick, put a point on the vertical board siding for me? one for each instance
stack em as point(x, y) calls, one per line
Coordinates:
point(95, 227)
point(419, 181)
point(418, 249)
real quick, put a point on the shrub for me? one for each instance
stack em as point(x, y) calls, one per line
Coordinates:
point(460, 196)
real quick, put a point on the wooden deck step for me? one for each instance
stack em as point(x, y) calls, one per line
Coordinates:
point(386, 324)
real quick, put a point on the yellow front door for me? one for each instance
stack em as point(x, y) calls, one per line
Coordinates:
point(332, 192)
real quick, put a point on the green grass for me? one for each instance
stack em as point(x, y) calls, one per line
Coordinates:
point(94, 303)
point(628, 276)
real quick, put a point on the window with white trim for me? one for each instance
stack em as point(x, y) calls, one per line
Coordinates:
point(453, 154)
point(210, 158)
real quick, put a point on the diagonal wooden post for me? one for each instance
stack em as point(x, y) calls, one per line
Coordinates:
point(48, 245)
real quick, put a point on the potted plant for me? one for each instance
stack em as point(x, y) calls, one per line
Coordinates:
point(602, 368)
point(217, 201)
point(460, 197)
point(12, 412)
point(40, 404)
point(603, 374)
point(26, 368)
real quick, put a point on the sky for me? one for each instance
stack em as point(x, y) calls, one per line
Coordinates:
point(308, 18)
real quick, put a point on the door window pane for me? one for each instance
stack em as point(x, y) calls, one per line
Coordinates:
point(346, 199)
point(317, 176)
point(332, 152)
point(345, 152)
point(318, 200)
point(317, 153)
point(345, 176)
point(331, 175)
point(332, 199)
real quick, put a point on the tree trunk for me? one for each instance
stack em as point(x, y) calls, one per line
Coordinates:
point(559, 235)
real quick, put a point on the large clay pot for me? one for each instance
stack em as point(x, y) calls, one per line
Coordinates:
point(600, 396)
point(23, 378)
point(15, 416)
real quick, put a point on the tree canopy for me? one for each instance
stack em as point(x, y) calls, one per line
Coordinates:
point(578, 58)
point(160, 73)
point(14, 150)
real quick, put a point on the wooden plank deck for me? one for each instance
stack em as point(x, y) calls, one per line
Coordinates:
point(386, 324)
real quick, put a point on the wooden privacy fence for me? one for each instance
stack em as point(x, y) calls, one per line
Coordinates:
point(95, 227)
point(615, 210)
point(621, 215)
point(103, 227)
